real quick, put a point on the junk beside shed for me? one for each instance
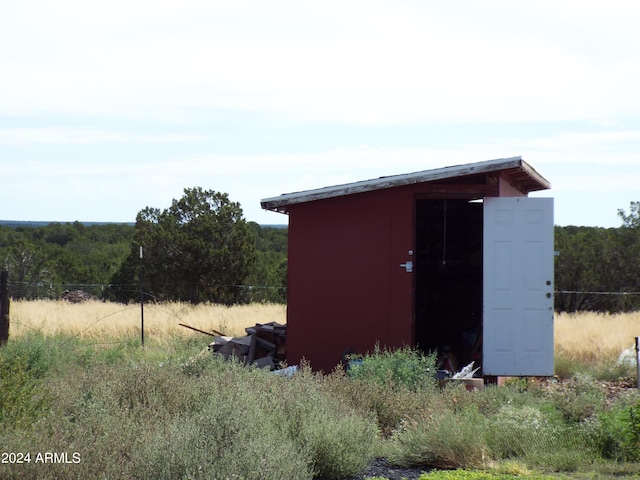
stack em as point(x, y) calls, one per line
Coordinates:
point(264, 346)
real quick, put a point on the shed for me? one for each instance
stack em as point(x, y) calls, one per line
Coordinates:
point(453, 259)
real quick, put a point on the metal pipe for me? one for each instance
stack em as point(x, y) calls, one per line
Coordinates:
point(202, 331)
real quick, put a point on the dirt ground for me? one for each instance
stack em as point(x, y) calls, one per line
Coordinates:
point(379, 467)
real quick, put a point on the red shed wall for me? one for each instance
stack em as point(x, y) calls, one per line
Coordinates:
point(346, 289)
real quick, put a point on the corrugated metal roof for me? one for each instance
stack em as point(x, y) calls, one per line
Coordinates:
point(515, 169)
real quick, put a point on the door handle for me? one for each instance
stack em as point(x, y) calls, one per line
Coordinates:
point(407, 266)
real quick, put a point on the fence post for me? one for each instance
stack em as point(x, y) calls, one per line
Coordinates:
point(141, 301)
point(638, 360)
point(4, 307)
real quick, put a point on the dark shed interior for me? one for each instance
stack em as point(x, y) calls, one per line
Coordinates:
point(448, 278)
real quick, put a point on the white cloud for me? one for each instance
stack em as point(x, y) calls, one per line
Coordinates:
point(596, 184)
point(362, 62)
point(564, 140)
point(80, 68)
point(70, 135)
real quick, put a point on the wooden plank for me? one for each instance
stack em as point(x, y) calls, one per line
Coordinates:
point(264, 343)
point(245, 341)
point(264, 362)
point(252, 350)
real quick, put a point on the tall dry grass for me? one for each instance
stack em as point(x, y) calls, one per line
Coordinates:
point(583, 336)
point(114, 321)
point(594, 336)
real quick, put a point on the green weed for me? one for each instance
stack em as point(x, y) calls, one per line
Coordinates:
point(23, 400)
point(398, 367)
point(445, 440)
point(172, 410)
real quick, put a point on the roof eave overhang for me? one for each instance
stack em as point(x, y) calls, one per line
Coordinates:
point(520, 173)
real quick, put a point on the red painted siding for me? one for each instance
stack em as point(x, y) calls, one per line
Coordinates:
point(346, 287)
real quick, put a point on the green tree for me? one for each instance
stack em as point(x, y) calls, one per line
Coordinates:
point(575, 274)
point(597, 268)
point(198, 249)
point(628, 258)
point(28, 267)
point(44, 261)
point(267, 281)
point(631, 220)
point(59, 233)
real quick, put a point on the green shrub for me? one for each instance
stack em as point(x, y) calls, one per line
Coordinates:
point(580, 398)
point(172, 411)
point(565, 366)
point(400, 367)
point(35, 351)
point(23, 365)
point(390, 404)
point(466, 433)
point(516, 431)
point(338, 441)
point(446, 440)
point(615, 372)
point(232, 437)
point(23, 400)
point(620, 428)
point(514, 393)
point(160, 420)
point(541, 439)
point(608, 370)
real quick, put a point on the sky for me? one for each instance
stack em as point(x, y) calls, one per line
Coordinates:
point(107, 108)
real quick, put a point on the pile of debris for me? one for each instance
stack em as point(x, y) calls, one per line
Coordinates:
point(77, 296)
point(463, 377)
point(264, 346)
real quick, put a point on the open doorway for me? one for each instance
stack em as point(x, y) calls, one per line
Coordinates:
point(448, 277)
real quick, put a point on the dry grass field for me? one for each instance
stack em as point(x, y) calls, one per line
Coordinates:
point(584, 336)
point(114, 321)
point(589, 337)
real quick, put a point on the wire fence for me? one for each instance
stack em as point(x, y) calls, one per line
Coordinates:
point(596, 301)
point(565, 300)
point(76, 292)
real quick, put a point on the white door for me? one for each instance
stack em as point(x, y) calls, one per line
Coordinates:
point(518, 287)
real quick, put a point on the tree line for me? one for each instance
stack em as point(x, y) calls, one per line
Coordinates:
point(201, 249)
point(598, 269)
